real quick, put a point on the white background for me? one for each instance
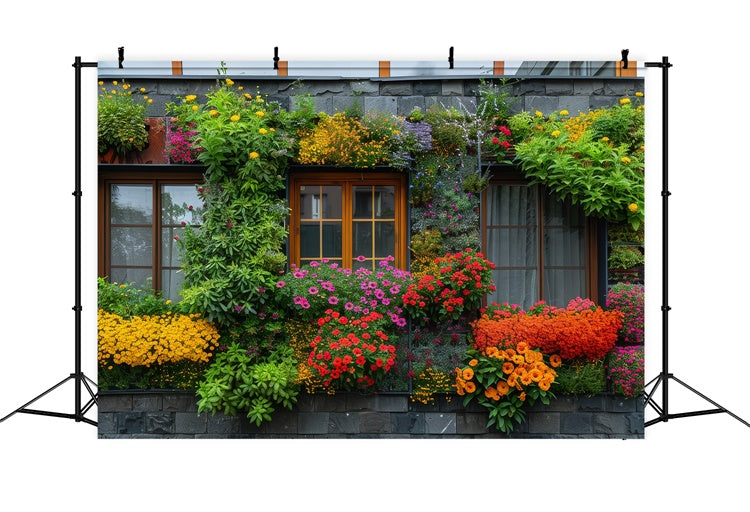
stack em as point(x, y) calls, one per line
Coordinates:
point(684, 464)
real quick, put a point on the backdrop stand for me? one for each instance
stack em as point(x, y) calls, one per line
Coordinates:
point(77, 377)
point(665, 376)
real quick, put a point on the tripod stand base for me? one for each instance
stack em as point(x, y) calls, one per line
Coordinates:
point(78, 415)
point(663, 413)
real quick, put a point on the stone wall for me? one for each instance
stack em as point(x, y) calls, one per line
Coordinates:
point(400, 96)
point(174, 414)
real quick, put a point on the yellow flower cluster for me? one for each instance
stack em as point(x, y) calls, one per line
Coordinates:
point(521, 366)
point(147, 340)
point(577, 126)
point(300, 335)
point(341, 140)
point(429, 382)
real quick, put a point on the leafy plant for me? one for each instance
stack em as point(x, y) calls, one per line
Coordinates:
point(238, 382)
point(121, 118)
point(626, 370)
point(581, 377)
point(128, 299)
point(625, 257)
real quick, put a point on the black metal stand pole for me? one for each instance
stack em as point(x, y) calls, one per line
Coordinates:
point(665, 376)
point(78, 377)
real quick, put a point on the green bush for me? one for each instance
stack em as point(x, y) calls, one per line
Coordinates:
point(128, 299)
point(581, 377)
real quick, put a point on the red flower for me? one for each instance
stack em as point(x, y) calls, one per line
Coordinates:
point(495, 140)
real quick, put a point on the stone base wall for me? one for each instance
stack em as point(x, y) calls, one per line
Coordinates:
point(174, 414)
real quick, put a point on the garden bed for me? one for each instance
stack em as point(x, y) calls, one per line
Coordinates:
point(174, 414)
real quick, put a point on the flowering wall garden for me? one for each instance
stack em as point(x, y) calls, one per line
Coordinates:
point(255, 336)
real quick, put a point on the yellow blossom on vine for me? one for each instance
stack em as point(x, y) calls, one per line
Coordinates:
point(538, 113)
point(633, 207)
point(624, 101)
point(625, 160)
point(253, 154)
point(190, 97)
point(556, 133)
point(263, 131)
point(260, 113)
point(213, 113)
point(564, 113)
point(229, 81)
point(142, 90)
point(194, 107)
point(639, 94)
point(240, 88)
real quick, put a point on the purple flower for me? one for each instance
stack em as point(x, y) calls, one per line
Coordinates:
point(395, 290)
point(379, 294)
point(280, 284)
point(298, 300)
point(348, 306)
point(314, 264)
point(361, 258)
point(312, 290)
point(333, 300)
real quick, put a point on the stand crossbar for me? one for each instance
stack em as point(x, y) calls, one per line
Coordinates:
point(665, 376)
point(78, 376)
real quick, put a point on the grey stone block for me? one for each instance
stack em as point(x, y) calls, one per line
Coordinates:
point(190, 423)
point(343, 423)
point(391, 403)
point(222, 424)
point(179, 402)
point(545, 104)
point(591, 404)
point(620, 404)
point(529, 87)
point(609, 424)
point(147, 403)
point(320, 103)
point(440, 423)
point(634, 424)
point(381, 104)
point(558, 87)
point(409, 103)
point(576, 423)
point(452, 88)
point(357, 403)
point(375, 423)
point(321, 403)
point(603, 101)
point(574, 104)
point(107, 423)
point(588, 87)
point(159, 423)
point(396, 89)
point(313, 423)
point(114, 403)
point(283, 422)
point(544, 422)
point(427, 88)
point(408, 423)
point(364, 87)
point(344, 103)
point(471, 423)
point(130, 423)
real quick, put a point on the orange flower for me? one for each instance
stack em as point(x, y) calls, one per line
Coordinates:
point(526, 379)
point(522, 347)
point(555, 360)
point(503, 388)
point(522, 396)
point(470, 387)
point(473, 362)
point(536, 375)
point(468, 374)
point(544, 385)
point(508, 367)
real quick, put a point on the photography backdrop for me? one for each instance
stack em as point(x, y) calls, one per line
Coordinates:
point(42, 450)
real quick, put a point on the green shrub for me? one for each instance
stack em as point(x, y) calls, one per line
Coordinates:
point(581, 377)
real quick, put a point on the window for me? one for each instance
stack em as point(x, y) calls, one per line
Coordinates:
point(355, 219)
point(140, 216)
point(543, 249)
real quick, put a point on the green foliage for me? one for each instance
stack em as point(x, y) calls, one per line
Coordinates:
point(494, 104)
point(128, 299)
point(238, 382)
point(594, 160)
point(623, 257)
point(581, 377)
point(121, 118)
point(177, 375)
point(232, 261)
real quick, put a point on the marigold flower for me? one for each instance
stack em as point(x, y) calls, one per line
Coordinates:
point(633, 207)
point(194, 107)
point(260, 113)
point(502, 388)
point(230, 81)
point(253, 154)
point(473, 362)
point(544, 385)
point(190, 97)
point(624, 101)
point(625, 160)
point(508, 367)
point(263, 131)
point(605, 139)
point(467, 374)
point(538, 113)
point(564, 113)
point(470, 387)
point(639, 94)
point(556, 133)
point(555, 360)
point(234, 118)
point(213, 113)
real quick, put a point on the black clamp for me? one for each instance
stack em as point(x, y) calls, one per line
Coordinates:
point(625, 58)
point(666, 193)
point(275, 57)
point(120, 56)
point(450, 57)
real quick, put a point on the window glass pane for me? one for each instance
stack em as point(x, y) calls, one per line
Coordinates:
point(385, 239)
point(331, 239)
point(512, 247)
point(511, 205)
point(384, 202)
point(171, 284)
point(131, 204)
point(180, 203)
point(362, 202)
point(139, 276)
point(130, 246)
point(515, 287)
point(309, 240)
point(557, 213)
point(170, 249)
point(320, 202)
point(561, 285)
point(362, 239)
point(564, 246)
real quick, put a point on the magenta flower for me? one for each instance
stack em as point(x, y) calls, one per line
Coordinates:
point(312, 290)
point(280, 284)
point(333, 300)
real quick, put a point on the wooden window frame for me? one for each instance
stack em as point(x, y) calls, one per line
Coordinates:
point(347, 179)
point(591, 237)
point(132, 175)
